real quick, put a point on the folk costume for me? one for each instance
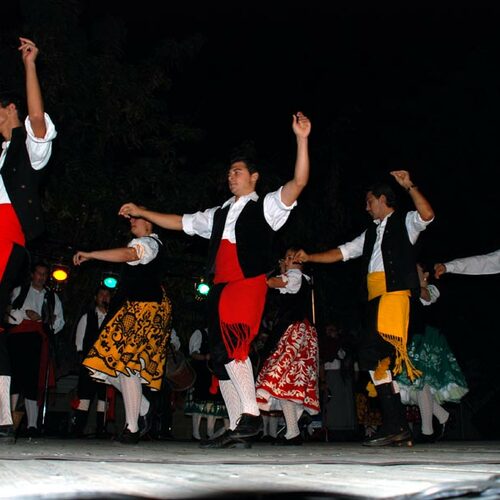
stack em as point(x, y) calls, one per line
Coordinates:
point(241, 234)
point(132, 346)
point(288, 379)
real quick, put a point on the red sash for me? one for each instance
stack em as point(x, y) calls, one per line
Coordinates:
point(10, 233)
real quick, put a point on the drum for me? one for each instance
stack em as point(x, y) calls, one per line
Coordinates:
point(178, 372)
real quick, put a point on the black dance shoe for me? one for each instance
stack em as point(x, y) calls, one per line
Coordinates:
point(128, 437)
point(295, 441)
point(401, 438)
point(226, 440)
point(248, 426)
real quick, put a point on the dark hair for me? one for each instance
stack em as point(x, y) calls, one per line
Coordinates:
point(248, 161)
point(381, 188)
point(11, 97)
point(40, 263)
point(101, 287)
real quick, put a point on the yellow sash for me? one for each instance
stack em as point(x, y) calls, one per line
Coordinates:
point(393, 319)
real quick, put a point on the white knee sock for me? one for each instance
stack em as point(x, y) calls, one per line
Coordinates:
point(241, 375)
point(132, 395)
point(210, 426)
point(232, 402)
point(440, 413)
point(116, 383)
point(84, 404)
point(5, 413)
point(196, 425)
point(273, 426)
point(31, 412)
point(265, 427)
point(424, 399)
point(290, 413)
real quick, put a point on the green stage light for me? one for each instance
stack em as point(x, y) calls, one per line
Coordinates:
point(110, 280)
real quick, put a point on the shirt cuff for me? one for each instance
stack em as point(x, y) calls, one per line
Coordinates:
point(344, 252)
point(50, 133)
point(187, 224)
point(280, 202)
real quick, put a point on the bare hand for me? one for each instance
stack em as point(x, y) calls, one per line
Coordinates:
point(33, 315)
point(301, 256)
point(129, 210)
point(80, 257)
point(439, 269)
point(28, 49)
point(402, 177)
point(301, 125)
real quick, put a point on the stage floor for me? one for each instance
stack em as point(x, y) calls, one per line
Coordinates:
point(57, 468)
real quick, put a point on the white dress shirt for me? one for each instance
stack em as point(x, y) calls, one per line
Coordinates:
point(34, 302)
point(414, 225)
point(146, 247)
point(276, 214)
point(39, 151)
point(477, 264)
point(293, 280)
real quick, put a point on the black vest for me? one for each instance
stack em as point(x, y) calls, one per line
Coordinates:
point(296, 306)
point(92, 330)
point(254, 238)
point(22, 185)
point(397, 253)
point(142, 283)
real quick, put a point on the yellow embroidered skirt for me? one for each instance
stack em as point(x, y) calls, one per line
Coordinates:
point(133, 341)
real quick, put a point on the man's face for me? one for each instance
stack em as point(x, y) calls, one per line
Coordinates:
point(241, 181)
point(39, 276)
point(102, 299)
point(375, 206)
point(8, 117)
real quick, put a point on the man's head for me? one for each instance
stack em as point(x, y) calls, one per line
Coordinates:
point(102, 297)
point(242, 176)
point(12, 111)
point(39, 275)
point(380, 200)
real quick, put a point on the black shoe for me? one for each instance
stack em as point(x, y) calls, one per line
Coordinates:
point(146, 421)
point(426, 438)
point(128, 437)
point(7, 434)
point(386, 439)
point(295, 441)
point(226, 440)
point(440, 429)
point(248, 426)
point(32, 433)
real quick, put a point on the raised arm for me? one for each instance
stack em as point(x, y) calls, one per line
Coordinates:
point(421, 204)
point(36, 110)
point(292, 189)
point(166, 221)
point(327, 257)
point(125, 254)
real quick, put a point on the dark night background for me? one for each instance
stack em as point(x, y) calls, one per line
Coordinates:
point(149, 101)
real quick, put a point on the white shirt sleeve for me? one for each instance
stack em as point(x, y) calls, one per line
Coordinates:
point(293, 280)
point(80, 333)
point(476, 265)
point(434, 293)
point(275, 211)
point(354, 248)
point(59, 316)
point(195, 342)
point(39, 148)
point(415, 225)
point(146, 248)
point(199, 223)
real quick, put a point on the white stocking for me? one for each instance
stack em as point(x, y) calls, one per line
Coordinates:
point(31, 412)
point(196, 425)
point(241, 375)
point(132, 395)
point(5, 413)
point(290, 413)
point(424, 400)
point(211, 426)
point(232, 402)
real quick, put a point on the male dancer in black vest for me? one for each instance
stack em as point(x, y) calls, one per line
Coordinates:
point(240, 233)
point(35, 316)
point(25, 152)
point(87, 332)
point(387, 250)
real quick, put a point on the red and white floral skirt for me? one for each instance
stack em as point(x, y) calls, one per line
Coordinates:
point(291, 372)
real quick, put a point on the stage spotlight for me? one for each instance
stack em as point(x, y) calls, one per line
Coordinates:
point(110, 280)
point(202, 288)
point(59, 273)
